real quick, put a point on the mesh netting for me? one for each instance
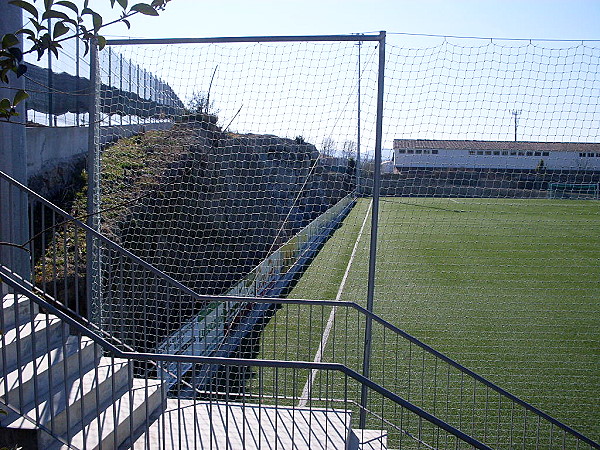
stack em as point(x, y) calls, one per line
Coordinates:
point(477, 256)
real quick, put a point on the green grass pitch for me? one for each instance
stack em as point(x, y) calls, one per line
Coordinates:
point(509, 288)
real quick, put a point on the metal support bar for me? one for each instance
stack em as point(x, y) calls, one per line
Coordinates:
point(252, 39)
point(374, 223)
point(93, 193)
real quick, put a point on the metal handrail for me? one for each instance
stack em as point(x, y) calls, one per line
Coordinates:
point(18, 287)
point(351, 305)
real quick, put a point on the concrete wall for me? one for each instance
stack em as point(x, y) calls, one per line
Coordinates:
point(51, 147)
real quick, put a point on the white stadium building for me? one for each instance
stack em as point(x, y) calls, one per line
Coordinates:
point(511, 155)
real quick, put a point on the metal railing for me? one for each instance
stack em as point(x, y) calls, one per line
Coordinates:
point(140, 306)
point(260, 393)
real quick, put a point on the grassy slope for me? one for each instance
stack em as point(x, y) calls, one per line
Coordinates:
point(510, 288)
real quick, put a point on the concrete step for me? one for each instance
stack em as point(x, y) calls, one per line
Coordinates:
point(213, 425)
point(112, 426)
point(76, 356)
point(368, 440)
point(16, 344)
point(78, 398)
point(16, 312)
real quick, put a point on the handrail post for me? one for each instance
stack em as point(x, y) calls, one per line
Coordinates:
point(374, 223)
point(93, 190)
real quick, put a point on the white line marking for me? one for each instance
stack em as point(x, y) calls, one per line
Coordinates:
point(327, 330)
point(452, 200)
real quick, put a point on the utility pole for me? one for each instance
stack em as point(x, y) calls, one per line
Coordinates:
point(516, 113)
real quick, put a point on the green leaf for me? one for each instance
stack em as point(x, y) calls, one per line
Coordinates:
point(123, 3)
point(60, 29)
point(144, 9)
point(26, 31)
point(86, 10)
point(126, 22)
point(21, 69)
point(69, 5)
point(20, 96)
point(101, 42)
point(9, 40)
point(50, 14)
point(16, 53)
point(48, 4)
point(97, 21)
point(112, 3)
point(26, 6)
point(5, 103)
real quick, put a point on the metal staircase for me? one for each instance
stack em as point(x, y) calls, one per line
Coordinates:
point(60, 392)
point(66, 382)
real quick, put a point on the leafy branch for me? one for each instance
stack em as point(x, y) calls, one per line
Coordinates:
point(56, 22)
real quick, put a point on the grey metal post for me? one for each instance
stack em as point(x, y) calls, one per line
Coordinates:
point(93, 195)
point(14, 220)
point(50, 83)
point(357, 168)
point(109, 82)
point(374, 224)
point(121, 84)
point(77, 82)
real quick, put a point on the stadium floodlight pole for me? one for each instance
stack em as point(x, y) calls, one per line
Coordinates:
point(93, 192)
point(374, 222)
point(516, 113)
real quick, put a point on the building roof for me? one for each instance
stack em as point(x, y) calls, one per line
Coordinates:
point(495, 145)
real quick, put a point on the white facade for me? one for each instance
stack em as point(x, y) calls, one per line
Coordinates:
point(496, 155)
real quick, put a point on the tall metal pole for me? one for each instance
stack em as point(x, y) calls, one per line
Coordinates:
point(93, 194)
point(358, 127)
point(50, 83)
point(374, 224)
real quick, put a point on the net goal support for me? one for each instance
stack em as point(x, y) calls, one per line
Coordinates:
point(574, 191)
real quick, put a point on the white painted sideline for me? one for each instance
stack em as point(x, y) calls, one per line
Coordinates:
point(327, 330)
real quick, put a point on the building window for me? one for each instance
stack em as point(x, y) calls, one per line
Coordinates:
point(488, 152)
point(434, 152)
point(513, 153)
point(590, 155)
point(401, 151)
point(471, 152)
point(504, 152)
point(538, 153)
point(529, 153)
point(497, 152)
point(410, 151)
point(597, 155)
point(582, 155)
point(426, 152)
point(418, 152)
point(480, 152)
point(521, 153)
point(545, 153)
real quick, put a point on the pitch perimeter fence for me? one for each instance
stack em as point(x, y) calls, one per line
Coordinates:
point(463, 250)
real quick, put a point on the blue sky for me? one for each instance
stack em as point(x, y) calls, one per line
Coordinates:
point(535, 19)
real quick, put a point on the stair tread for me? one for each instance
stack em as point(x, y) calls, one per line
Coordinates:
point(76, 388)
point(40, 321)
point(42, 363)
point(122, 407)
point(189, 424)
point(371, 439)
point(9, 308)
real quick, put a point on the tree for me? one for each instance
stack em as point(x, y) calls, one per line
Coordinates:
point(68, 22)
point(348, 149)
point(328, 146)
